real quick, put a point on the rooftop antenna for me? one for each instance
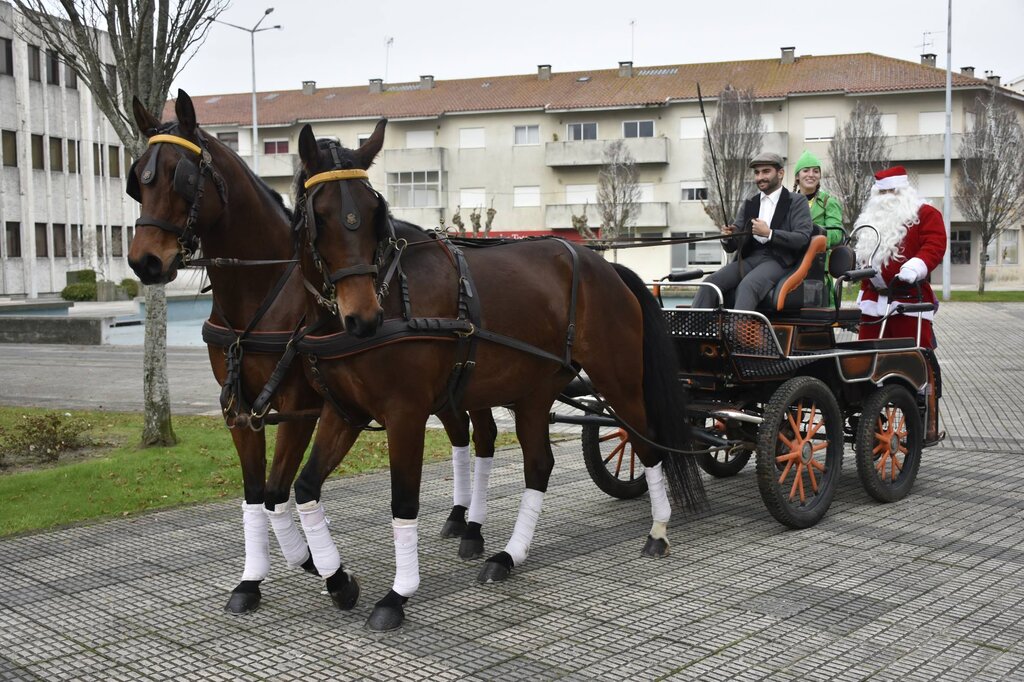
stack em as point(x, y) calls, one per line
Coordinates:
point(388, 42)
point(926, 40)
point(632, 37)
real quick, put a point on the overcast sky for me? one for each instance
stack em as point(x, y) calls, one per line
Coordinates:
point(344, 43)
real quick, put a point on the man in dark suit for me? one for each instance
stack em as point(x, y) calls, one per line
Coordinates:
point(781, 228)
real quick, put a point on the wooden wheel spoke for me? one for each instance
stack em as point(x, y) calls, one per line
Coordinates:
point(819, 447)
point(879, 448)
point(793, 423)
point(611, 436)
point(796, 481)
point(810, 475)
point(786, 441)
point(903, 449)
point(788, 457)
point(617, 450)
point(899, 427)
point(817, 465)
point(785, 472)
point(881, 465)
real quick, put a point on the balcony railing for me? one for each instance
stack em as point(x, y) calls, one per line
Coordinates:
point(276, 165)
point(559, 216)
point(591, 152)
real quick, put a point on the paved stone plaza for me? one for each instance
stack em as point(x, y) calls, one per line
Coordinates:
point(927, 588)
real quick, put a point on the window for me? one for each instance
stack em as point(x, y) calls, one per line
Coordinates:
point(581, 131)
point(12, 239)
point(694, 191)
point(6, 57)
point(526, 135)
point(472, 138)
point(56, 154)
point(1008, 243)
point(41, 250)
point(415, 189)
point(100, 251)
point(969, 118)
point(33, 63)
point(473, 197)
point(37, 152)
point(229, 140)
point(960, 247)
point(111, 77)
point(76, 241)
point(819, 128)
point(362, 138)
point(52, 67)
point(581, 194)
point(526, 195)
point(696, 253)
point(931, 123)
point(97, 159)
point(638, 129)
point(275, 146)
point(70, 77)
point(114, 160)
point(691, 128)
point(60, 241)
point(72, 156)
point(419, 139)
point(130, 234)
point(10, 148)
point(889, 124)
point(116, 246)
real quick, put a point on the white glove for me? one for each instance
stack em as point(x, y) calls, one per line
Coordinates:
point(908, 275)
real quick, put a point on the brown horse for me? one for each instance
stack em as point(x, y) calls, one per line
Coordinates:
point(523, 318)
point(193, 190)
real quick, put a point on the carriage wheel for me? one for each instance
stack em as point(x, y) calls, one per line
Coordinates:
point(612, 462)
point(723, 463)
point(800, 452)
point(888, 444)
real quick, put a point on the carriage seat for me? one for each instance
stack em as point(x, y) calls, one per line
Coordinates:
point(803, 285)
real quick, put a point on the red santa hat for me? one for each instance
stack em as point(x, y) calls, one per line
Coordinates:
point(892, 178)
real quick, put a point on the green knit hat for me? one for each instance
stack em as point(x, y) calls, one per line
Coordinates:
point(807, 160)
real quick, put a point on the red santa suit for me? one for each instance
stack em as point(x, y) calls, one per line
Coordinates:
point(918, 253)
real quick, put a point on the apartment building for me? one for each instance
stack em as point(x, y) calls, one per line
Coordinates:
point(62, 201)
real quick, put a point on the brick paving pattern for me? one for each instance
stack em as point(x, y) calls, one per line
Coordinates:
point(927, 588)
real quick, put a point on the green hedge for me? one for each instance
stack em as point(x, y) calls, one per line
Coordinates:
point(130, 286)
point(83, 291)
point(81, 276)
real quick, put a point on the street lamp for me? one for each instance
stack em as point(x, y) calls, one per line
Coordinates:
point(252, 39)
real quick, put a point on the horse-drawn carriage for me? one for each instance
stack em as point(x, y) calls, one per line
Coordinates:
point(781, 384)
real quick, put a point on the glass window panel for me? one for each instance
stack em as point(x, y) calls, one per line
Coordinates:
point(56, 154)
point(12, 240)
point(41, 250)
point(60, 244)
point(10, 148)
point(37, 152)
point(116, 247)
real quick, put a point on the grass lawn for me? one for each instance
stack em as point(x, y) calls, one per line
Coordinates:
point(117, 478)
point(850, 295)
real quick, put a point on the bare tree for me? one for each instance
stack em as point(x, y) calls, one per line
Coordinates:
point(618, 194)
point(149, 40)
point(858, 150)
point(737, 134)
point(990, 187)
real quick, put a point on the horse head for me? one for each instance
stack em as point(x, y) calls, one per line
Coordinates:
point(346, 223)
point(168, 182)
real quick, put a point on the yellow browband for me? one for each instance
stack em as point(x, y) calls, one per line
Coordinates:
point(348, 174)
point(174, 139)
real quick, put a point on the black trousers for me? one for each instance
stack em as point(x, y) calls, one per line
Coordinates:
point(759, 276)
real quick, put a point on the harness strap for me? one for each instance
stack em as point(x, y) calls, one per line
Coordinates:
point(361, 269)
point(235, 262)
point(570, 334)
point(144, 220)
point(465, 349)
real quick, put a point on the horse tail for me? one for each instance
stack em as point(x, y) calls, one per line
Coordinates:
point(665, 398)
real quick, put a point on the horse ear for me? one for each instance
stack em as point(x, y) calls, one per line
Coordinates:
point(368, 152)
point(309, 152)
point(143, 118)
point(186, 112)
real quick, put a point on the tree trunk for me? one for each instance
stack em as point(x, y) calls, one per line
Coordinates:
point(155, 387)
point(983, 263)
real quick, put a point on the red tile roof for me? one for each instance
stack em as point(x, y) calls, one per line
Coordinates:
point(769, 78)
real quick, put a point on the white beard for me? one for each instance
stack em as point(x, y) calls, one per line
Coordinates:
point(892, 215)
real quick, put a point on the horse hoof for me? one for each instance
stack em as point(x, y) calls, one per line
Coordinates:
point(346, 596)
point(385, 618)
point(309, 567)
point(243, 602)
point(471, 548)
point(453, 528)
point(496, 569)
point(655, 548)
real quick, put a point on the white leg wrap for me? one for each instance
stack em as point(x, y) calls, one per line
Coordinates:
point(460, 469)
point(318, 537)
point(407, 560)
point(661, 510)
point(518, 545)
point(293, 545)
point(257, 542)
point(481, 476)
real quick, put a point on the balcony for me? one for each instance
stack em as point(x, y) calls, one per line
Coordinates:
point(591, 152)
point(922, 147)
point(559, 216)
point(276, 165)
point(776, 143)
point(406, 160)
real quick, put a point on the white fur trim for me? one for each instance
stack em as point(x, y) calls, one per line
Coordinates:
point(257, 542)
point(463, 487)
point(661, 510)
point(293, 545)
point(318, 537)
point(518, 546)
point(481, 477)
point(916, 266)
point(893, 182)
point(407, 561)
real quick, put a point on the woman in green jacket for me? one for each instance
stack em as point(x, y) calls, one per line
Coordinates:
point(826, 211)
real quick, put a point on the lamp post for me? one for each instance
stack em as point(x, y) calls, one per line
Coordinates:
point(252, 41)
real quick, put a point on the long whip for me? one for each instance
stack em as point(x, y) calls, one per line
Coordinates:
point(718, 179)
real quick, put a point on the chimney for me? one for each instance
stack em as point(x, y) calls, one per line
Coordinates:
point(967, 71)
point(928, 59)
point(625, 69)
point(788, 55)
point(308, 87)
point(376, 85)
point(991, 78)
point(426, 82)
point(544, 72)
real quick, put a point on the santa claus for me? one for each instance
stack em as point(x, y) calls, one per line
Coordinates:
point(909, 244)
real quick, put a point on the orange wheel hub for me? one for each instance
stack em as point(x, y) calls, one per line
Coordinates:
point(800, 456)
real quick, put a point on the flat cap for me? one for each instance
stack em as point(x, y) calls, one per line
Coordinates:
point(767, 159)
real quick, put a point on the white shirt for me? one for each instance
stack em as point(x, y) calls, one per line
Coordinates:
point(767, 212)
